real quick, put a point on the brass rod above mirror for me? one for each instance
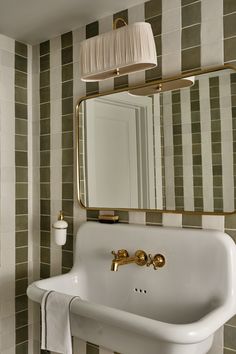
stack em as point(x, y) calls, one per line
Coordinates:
point(170, 151)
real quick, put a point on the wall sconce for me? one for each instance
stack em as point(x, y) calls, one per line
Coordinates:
point(124, 50)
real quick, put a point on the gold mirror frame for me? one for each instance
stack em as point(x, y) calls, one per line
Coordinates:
point(206, 70)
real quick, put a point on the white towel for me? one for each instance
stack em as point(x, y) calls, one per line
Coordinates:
point(55, 314)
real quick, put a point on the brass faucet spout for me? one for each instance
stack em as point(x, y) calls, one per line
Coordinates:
point(121, 261)
point(114, 266)
point(122, 258)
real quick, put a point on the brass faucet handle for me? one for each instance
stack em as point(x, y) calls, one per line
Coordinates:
point(158, 261)
point(120, 254)
point(114, 254)
point(141, 258)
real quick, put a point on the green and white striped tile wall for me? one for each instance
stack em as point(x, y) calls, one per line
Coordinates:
point(198, 145)
point(45, 173)
point(67, 145)
point(7, 193)
point(56, 149)
point(185, 40)
point(21, 195)
point(14, 179)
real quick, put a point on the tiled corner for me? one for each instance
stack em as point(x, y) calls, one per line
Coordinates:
point(21, 191)
point(45, 142)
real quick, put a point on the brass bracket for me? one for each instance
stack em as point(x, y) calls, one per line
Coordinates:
point(117, 20)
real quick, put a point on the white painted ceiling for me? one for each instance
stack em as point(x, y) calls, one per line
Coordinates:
point(33, 21)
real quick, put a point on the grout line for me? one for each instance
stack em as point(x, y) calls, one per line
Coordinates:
point(230, 325)
point(192, 3)
point(231, 37)
point(230, 13)
point(26, 325)
point(195, 46)
point(156, 15)
point(20, 71)
point(43, 55)
point(230, 349)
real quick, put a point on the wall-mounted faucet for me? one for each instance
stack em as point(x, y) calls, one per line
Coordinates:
point(121, 257)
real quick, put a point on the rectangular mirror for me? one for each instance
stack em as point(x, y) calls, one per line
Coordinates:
point(161, 146)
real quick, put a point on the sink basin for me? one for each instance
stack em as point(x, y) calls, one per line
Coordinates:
point(173, 310)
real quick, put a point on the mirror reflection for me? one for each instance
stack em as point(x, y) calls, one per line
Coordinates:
point(171, 150)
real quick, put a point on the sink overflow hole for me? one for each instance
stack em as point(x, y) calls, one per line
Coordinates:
point(141, 291)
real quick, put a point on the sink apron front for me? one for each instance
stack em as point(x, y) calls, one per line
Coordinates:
point(137, 310)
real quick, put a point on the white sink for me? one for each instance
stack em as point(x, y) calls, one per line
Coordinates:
point(173, 310)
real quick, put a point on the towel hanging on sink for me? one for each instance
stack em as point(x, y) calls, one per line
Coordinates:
point(55, 314)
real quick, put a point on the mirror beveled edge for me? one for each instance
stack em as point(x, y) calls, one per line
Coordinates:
point(202, 71)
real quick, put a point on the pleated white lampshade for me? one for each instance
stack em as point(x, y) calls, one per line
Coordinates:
point(124, 50)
